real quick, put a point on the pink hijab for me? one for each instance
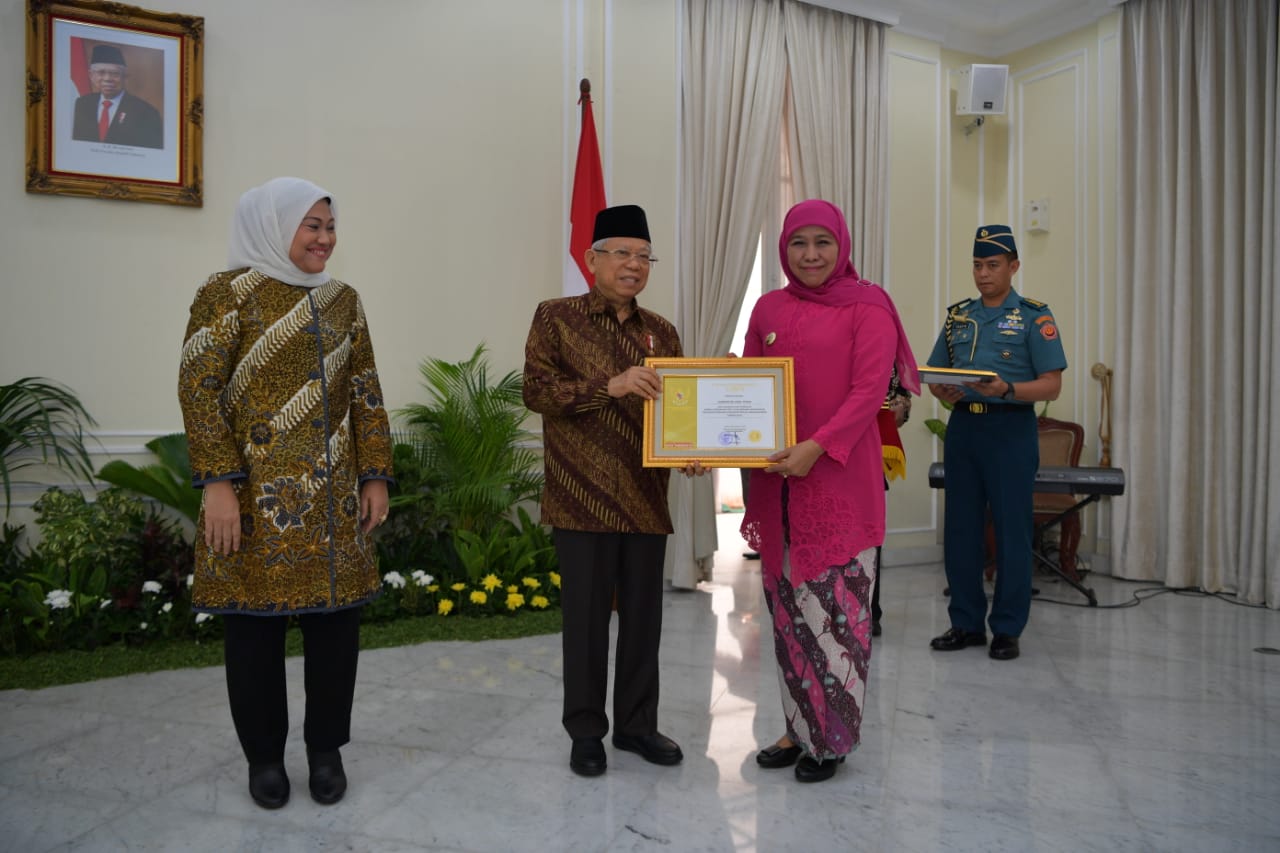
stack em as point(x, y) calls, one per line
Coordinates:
point(845, 286)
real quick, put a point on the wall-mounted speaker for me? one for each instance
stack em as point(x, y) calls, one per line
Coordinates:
point(980, 89)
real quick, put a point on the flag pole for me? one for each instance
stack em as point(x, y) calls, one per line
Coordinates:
point(587, 198)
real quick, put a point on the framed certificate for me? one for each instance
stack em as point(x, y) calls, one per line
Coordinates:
point(721, 412)
point(954, 376)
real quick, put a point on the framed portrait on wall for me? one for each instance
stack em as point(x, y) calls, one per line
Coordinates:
point(115, 102)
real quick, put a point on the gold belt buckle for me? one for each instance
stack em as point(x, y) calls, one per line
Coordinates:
point(977, 408)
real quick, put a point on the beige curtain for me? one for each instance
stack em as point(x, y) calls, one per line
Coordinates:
point(836, 120)
point(1198, 353)
point(731, 98)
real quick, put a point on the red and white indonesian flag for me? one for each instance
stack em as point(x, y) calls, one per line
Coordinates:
point(79, 66)
point(587, 201)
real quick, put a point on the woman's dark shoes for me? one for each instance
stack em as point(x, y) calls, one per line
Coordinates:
point(328, 781)
point(1003, 647)
point(956, 639)
point(587, 757)
point(875, 628)
point(773, 757)
point(656, 748)
point(812, 770)
point(269, 785)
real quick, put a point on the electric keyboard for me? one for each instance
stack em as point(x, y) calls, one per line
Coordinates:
point(1059, 479)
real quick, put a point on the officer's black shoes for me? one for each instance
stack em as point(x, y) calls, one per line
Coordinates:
point(1004, 647)
point(956, 639)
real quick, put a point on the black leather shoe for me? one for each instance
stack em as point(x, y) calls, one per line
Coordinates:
point(656, 748)
point(328, 781)
point(587, 757)
point(956, 639)
point(751, 555)
point(269, 785)
point(1004, 647)
point(875, 628)
point(811, 770)
point(776, 756)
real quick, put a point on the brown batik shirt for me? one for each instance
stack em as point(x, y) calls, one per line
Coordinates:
point(594, 479)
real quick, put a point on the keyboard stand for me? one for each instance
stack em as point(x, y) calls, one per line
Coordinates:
point(1053, 565)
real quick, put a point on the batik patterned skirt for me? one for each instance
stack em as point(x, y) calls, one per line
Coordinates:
point(822, 637)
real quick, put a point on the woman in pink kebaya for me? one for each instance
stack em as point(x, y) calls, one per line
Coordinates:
point(817, 512)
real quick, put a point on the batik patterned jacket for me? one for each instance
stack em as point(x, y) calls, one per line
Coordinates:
point(595, 479)
point(280, 395)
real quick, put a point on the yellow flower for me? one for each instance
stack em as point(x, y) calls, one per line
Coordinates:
point(515, 601)
point(490, 583)
point(435, 587)
point(458, 587)
point(513, 588)
point(532, 583)
point(540, 602)
point(445, 605)
point(555, 579)
point(478, 597)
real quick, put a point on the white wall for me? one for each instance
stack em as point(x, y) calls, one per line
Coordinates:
point(446, 130)
point(1056, 141)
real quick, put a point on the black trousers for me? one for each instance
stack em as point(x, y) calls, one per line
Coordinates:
point(592, 567)
point(254, 648)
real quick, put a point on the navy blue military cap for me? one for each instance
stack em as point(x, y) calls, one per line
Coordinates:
point(993, 240)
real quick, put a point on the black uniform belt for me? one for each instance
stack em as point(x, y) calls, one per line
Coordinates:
point(990, 408)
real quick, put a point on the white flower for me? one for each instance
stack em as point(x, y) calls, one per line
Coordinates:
point(421, 578)
point(58, 599)
point(200, 617)
point(143, 626)
point(190, 580)
point(168, 605)
point(106, 602)
point(151, 586)
point(394, 579)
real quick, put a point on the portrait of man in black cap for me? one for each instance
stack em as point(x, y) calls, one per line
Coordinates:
point(584, 372)
point(111, 114)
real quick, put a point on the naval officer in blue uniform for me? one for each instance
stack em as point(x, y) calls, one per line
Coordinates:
point(992, 449)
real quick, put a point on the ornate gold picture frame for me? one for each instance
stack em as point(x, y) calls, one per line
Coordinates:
point(115, 102)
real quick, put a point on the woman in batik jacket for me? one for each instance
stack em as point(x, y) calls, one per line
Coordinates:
point(290, 442)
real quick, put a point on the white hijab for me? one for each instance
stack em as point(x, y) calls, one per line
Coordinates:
point(262, 230)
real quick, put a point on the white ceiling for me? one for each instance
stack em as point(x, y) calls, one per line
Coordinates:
point(989, 28)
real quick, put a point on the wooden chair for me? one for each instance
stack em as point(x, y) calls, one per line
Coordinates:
point(1061, 443)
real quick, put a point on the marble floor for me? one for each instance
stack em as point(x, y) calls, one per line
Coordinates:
point(1149, 728)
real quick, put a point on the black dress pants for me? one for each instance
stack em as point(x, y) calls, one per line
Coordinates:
point(254, 648)
point(592, 567)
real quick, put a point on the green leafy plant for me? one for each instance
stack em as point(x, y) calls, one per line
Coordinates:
point(469, 441)
point(41, 423)
point(936, 426)
point(168, 483)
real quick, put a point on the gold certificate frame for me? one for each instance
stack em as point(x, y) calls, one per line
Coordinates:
point(721, 412)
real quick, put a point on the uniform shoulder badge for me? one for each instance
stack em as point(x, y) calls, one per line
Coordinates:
point(1034, 303)
point(963, 303)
